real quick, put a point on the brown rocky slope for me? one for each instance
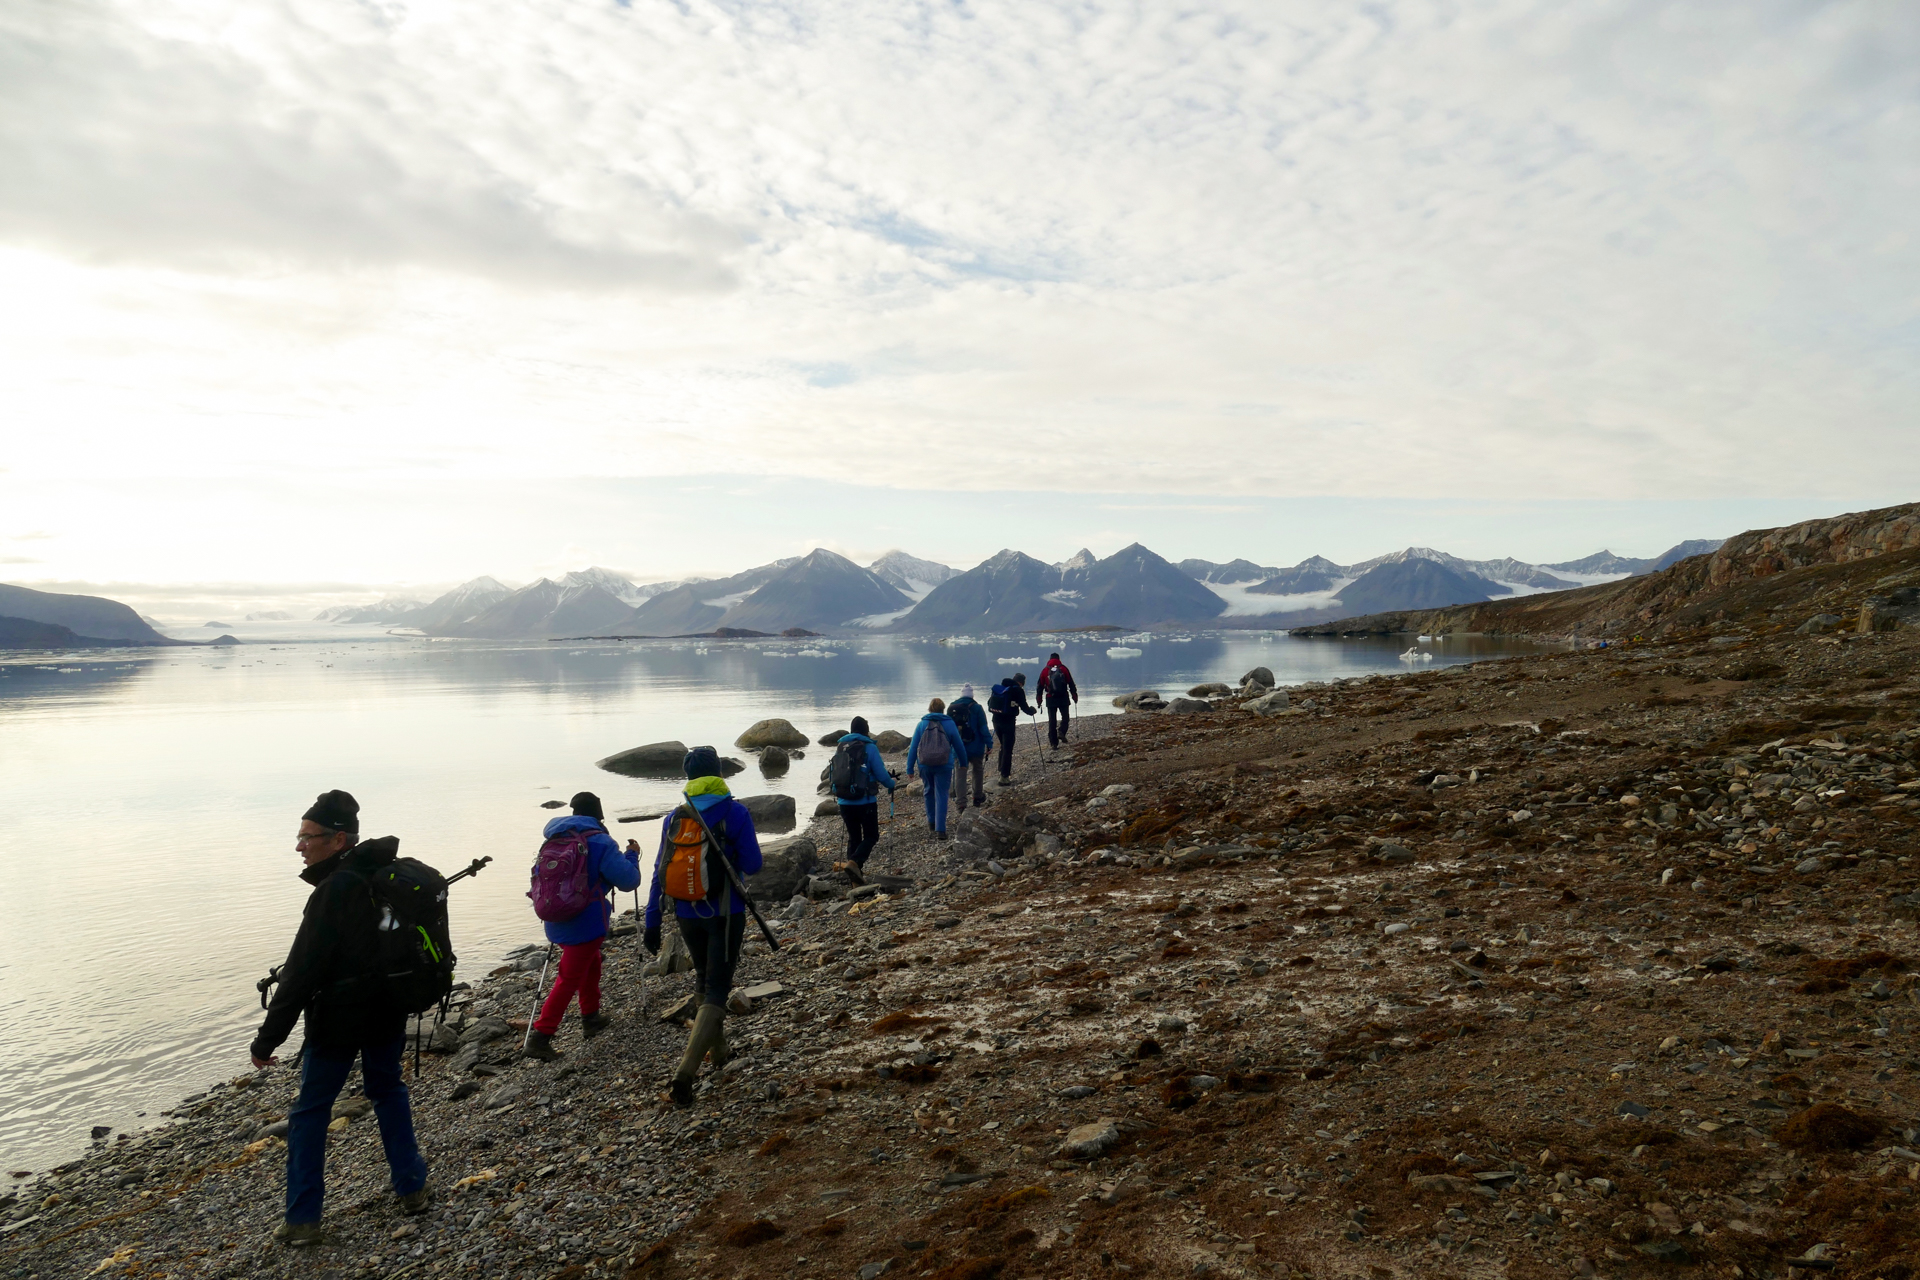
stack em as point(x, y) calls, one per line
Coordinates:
point(1748, 578)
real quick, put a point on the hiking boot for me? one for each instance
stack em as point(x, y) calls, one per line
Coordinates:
point(854, 874)
point(594, 1023)
point(680, 1093)
point(414, 1202)
point(980, 801)
point(540, 1048)
point(297, 1235)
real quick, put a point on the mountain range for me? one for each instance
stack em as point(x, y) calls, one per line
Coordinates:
point(1133, 588)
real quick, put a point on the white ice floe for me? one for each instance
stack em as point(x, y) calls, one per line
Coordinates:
point(1416, 655)
point(1015, 662)
point(1121, 651)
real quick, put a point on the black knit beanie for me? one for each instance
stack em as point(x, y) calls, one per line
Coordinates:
point(587, 805)
point(336, 811)
point(860, 725)
point(702, 762)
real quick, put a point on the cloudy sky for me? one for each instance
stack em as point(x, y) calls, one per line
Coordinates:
point(313, 291)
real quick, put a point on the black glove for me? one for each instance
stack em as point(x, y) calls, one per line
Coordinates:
point(651, 939)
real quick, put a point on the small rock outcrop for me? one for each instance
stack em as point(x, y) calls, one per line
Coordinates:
point(784, 870)
point(891, 742)
point(655, 760)
point(1214, 690)
point(770, 812)
point(773, 732)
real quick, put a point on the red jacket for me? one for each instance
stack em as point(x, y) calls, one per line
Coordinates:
point(1046, 691)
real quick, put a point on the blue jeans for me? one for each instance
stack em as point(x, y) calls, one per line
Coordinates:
point(936, 781)
point(322, 1074)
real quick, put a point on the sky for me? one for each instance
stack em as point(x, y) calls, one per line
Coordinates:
point(315, 298)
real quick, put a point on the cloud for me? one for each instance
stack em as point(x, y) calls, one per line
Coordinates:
point(307, 141)
point(1622, 249)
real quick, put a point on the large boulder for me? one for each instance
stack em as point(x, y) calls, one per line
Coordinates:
point(1268, 704)
point(655, 760)
point(1188, 706)
point(1140, 700)
point(773, 761)
point(783, 869)
point(891, 742)
point(1214, 690)
point(771, 812)
point(978, 833)
point(831, 738)
point(771, 733)
point(1259, 676)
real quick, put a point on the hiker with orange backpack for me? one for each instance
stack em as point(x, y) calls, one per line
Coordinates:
point(710, 911)
point(576, 868)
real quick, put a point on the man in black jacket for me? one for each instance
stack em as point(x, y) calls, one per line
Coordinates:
point(332, 976)
point(1005, 703)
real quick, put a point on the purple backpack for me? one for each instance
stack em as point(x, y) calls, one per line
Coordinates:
point(561, 876)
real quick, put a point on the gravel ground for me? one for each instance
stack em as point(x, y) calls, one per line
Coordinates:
point(1594, 963)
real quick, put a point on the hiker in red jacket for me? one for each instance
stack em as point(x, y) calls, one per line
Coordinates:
point(1058, 688)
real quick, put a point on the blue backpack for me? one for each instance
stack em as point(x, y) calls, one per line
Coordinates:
point(965, 712)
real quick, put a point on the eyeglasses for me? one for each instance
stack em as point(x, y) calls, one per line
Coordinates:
point(302, 837)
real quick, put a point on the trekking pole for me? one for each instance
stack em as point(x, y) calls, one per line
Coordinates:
point(538, 991)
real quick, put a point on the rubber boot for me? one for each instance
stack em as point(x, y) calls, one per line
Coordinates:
point(706, 1031)
point(718, 1053)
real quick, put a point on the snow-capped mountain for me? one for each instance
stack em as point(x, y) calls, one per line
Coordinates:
point(910, 574)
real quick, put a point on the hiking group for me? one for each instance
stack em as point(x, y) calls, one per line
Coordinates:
point(373, 947)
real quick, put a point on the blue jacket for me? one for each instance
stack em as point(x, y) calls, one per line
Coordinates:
point(964, 711)
point(609, 867)
point(941, 724)
point(874, 763)
point(733, 826)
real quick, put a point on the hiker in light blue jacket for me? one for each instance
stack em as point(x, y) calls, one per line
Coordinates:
point(935, 749)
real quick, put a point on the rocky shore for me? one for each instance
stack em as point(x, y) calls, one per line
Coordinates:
point(1588, 963)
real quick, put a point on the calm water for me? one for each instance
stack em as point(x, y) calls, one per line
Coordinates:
point(148, 804)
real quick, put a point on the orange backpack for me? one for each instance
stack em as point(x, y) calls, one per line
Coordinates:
point(685, 876)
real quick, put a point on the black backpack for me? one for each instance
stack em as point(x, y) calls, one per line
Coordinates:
point(850, 776)
point(963, 711)
point(998, 702)
point(416, 951)
point(1057, 682)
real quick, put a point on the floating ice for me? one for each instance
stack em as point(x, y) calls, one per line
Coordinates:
point(1121, 651)
point(1415, 655)
point(1014, 662)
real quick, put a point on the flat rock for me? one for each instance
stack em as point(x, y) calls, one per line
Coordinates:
point(1188, 706)
point(763, 990)
point(654, 760)
point(502, 1096)
point(1268, 704)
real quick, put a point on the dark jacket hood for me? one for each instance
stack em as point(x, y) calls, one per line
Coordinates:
point(363, 857)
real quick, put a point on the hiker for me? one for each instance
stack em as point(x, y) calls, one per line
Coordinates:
point(1057, 687)
point(333, 976)
point(857, 773)
point(971, 719)
point(935, 748)
point(579, 859)
point(711, 915)
point(1007, 700)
